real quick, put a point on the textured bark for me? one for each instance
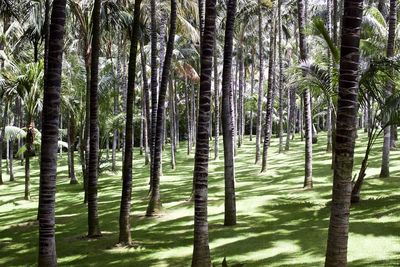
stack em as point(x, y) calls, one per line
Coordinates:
point(268, 116)
point(307, 100)
point(239, 118)
point(188, 119)
point(201, 250)
point(71, 150)
point(153, 83)
point(336, 253)
point(216, 101)
point(93, 220)
point(29, 150)
point(50, 121)
point(390, 87)
point(146, 103)
point(155, 200)
point(124, 215)
point(260, 83)
point(251, 93)
point(280, 85)
point(227, 118)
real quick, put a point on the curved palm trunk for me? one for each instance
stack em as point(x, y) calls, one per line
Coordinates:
point(50, 120)
point(124, 215)
point(307, 100)
point(93, 219)
point(228, 126)
point(201, 251)
point(155, 200)
point(336, 252)
point(260, 84)
point(390, 87)
point(268, 117)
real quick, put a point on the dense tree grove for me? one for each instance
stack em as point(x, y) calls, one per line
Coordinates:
point(210, 83)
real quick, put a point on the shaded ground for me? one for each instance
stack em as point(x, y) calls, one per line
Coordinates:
point(279, 224)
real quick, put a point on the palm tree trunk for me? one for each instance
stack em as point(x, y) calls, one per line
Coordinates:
point(227, 118)
point(336, 252)
point(307, 100)
point(172, 122)
point(280, 86)
point(2, 133)
point(124, 215)
point(153, 84)
point(390, 88)
point(71, 149)
point(240, 100)
point(93, 220)
point(155, 200)
point(146, 101)
point(268, 117)
point(216, 101)
point(252, 92)
point(50, 119)
point(11, 159)
point(188, 120)
point(260, 84)
point(201, 251)
point(29, 149)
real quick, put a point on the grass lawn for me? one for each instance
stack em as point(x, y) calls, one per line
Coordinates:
point(279, 223)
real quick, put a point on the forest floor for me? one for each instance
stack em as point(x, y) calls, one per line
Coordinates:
point(279, 223)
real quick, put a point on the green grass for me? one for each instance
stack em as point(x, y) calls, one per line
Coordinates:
point(279, 223)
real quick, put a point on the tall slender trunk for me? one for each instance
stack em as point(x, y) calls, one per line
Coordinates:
point(330, 66)
point(336, 252)
point(260, 83)
point(2, 133)
point(216, 100)
point(71, 149)
point(240, 100)
point(146, 101)
point(280, 85)
point(153, 83)
point(11, 159)
point(29, 151)
point(188, 119)
point(155, 199)
point(227, 118)
point(172, 122)
point(124, 215)
point(201, 251)
point(93, 219)
point(50, 120)
point(307, 99)
point(268, 116)
point(389, 90)
point(252, 92)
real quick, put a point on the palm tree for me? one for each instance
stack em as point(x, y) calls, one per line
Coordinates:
point(93, 220)
point(153, 83)
point(270, 92)
point(336, 252)
point(260, 83)
point(201, 251)
point(228, 126)
point(2, 133)
point(390, 88)
point(155, 200)
point(50, 121)
point(124, 216)
point(216, 101)
point(307, 99)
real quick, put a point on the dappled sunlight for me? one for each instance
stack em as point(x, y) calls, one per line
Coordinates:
point(279, 223)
